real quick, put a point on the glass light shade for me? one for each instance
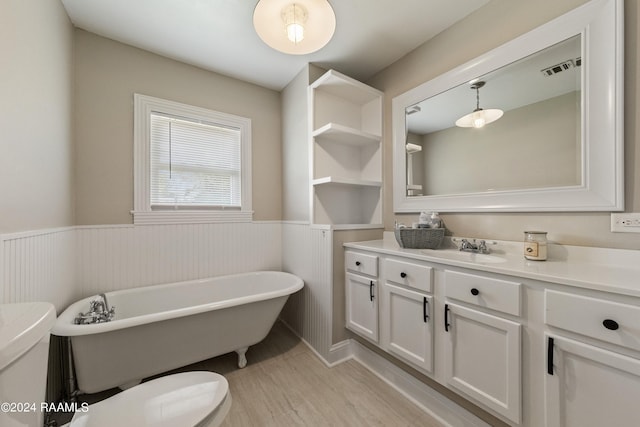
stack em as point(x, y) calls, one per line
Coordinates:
point(294, 16)
point(296, 27)
point(479, 118)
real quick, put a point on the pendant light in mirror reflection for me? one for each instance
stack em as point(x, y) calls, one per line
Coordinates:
point(294, 27)
point(479, 117)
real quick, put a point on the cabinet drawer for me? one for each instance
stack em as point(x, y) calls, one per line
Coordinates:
point(361, 263)
point(495, 294)
point(408, 274)
point(602, 319)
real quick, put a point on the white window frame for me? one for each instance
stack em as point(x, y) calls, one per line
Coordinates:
point(143, 214)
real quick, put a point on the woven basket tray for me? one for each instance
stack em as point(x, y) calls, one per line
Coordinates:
point(419, 238)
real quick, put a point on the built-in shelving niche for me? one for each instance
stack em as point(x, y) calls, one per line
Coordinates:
point(346, 147)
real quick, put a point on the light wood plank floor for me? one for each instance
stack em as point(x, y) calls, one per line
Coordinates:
point(285, 384)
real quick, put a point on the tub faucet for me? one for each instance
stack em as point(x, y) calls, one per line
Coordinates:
point(107, 312)
point(99, 312)
point(106, 304)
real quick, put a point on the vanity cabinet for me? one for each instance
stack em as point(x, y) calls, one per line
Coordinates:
point(553, 344)
point(588, 386)
point(483, 349)
point(361, 294)
point(586, 367)
point(407, 312)
point(346, 150)
point(478, 324)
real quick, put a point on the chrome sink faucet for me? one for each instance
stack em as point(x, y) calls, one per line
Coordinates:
point(479, 248)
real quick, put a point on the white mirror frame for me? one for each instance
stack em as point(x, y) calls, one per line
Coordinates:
point(600, 23)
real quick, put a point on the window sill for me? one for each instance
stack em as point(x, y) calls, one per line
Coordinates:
point(190, 217)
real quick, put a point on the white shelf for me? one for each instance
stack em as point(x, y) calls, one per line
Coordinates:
point(342, 86)
point(346, 153)
point(345, 181)
point(345, 135)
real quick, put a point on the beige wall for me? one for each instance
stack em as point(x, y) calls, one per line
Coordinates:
point(295, 151)
point(489, 27)
point(501, 156)
point(108, 73)
point(36, 147)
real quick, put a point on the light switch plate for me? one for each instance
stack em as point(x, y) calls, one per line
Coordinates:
point(625, 222)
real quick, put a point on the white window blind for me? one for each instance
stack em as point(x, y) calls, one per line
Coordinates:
point(193, 164)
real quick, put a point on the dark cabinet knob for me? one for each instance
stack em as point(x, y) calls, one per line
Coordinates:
point(610, 324)
point(474, 291)
point(403, 274)
point(357, 263)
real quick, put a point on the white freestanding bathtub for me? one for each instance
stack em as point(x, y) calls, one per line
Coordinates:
point(163, 327)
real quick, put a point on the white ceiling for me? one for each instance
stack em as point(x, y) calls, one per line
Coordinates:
point(513, 86)
point(218, 35)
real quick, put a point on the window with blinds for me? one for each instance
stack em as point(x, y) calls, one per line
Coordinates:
point(193, 164)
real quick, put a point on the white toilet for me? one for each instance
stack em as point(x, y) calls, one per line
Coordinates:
point(190, 399)
point(24, 351)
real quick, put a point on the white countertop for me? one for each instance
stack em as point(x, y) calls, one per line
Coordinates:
point(609, 270)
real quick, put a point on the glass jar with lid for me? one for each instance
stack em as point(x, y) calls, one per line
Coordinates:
point(535, 245)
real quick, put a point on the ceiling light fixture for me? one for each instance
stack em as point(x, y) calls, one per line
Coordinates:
point(479, 117)
point(297, 28)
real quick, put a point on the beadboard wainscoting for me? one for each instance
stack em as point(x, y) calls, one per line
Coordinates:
point(39, 266)
point(66, 264)
point(119, 257)
point(307, 253)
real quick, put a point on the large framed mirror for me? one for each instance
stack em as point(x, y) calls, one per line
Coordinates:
point(539, 124)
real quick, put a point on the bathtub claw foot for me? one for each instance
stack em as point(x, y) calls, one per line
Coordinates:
point(242, 357)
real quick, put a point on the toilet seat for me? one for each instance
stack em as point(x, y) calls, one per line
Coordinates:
point(192, 399)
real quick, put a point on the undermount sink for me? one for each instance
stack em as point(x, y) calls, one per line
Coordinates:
point(465, 256)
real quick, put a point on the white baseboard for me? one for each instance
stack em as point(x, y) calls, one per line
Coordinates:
point(429, 400)
point(340, 352)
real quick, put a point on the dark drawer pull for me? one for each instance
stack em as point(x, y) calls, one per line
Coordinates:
point(403, 274)
point(446, 318)
point(425, 314)
point(357, 263)
point(550, 345)
point(474, 291)
point(371, 290)
point(610, 324)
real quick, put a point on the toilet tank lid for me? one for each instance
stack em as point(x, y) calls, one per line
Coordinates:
point(22, 325)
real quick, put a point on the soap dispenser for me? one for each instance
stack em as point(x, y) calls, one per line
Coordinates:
point(423, 220)
point(434, 220)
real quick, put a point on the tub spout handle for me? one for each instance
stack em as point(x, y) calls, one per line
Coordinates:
point(104, 299)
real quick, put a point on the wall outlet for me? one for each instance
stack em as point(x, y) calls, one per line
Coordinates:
point(625, 222)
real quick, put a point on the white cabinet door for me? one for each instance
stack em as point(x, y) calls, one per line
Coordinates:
point(483, 359)
point(587, 386)
point(408, 316)
point(362, 305)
